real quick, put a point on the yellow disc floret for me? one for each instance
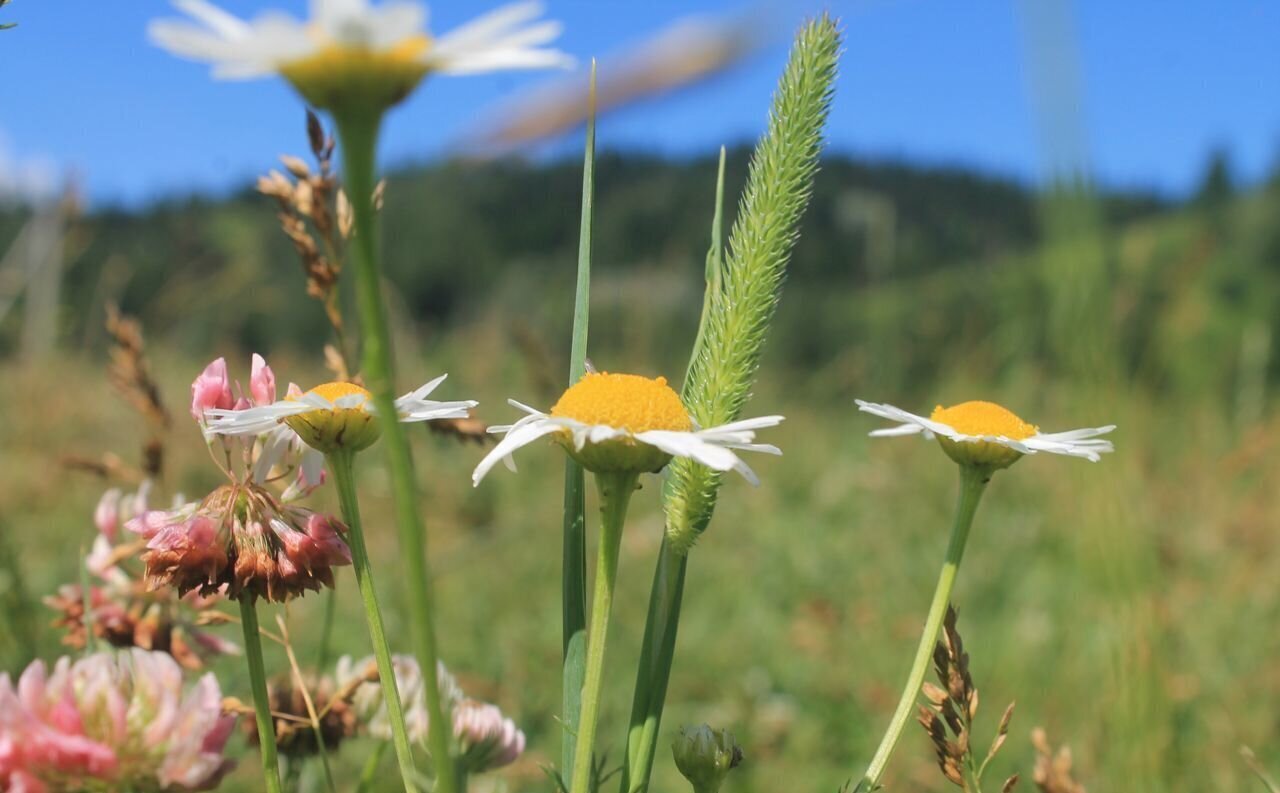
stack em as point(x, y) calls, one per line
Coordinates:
point(627, 402)
point(340, 76)
point(338, 428)
point(982, 419)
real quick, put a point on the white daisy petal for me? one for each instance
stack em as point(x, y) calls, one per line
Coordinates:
point(255, 420)
point(901, 429)
point(688, 444)
point(423, 391)
point(514, 440)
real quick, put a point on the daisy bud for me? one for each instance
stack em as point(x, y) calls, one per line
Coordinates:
point(262, 382)
point(486, 738)
point(211, 390)
point(242, 539)
point(111, 722)
point(705, 757)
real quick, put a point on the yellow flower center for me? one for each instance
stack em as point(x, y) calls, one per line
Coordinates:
point(984, 418)
point(335, 391)
point(339, 75)
point(624, 401)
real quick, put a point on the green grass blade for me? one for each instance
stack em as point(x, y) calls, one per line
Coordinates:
point(574, 569)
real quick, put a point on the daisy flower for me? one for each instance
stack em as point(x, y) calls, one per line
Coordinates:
point(351, 50)
point(984, 433)
point(332, 416)
point(614, 423)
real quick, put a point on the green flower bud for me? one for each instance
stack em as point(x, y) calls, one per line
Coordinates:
point(705, 757)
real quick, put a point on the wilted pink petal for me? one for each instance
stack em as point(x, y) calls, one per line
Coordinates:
point(262, 382)
point(211, 390)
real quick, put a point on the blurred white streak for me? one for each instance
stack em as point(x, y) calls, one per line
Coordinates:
point(28, 181)
point(1054, 77)
point(687, 52)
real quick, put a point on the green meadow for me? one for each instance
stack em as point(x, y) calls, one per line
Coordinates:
point(1129, 606)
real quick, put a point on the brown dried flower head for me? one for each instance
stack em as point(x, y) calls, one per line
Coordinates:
point(242, 538)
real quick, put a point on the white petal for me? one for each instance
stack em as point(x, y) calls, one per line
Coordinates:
point(901, 429)
point(255, 420)
point(898, 414)
point(522, 406)
point(423, 391)
point(688, 444)
point(515, 439)
point(218, 21)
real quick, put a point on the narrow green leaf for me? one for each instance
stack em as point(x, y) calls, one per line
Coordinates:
point(574, 569)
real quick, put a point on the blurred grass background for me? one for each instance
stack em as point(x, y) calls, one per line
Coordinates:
point(1130, 607)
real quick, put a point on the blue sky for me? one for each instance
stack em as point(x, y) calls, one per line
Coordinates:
point(936, 82)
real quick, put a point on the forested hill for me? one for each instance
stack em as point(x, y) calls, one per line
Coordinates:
point(457, 233)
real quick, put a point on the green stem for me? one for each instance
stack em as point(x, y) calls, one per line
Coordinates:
point(261, 702)
point(615, 495)
point(973, 480)
point(341, 464)
point(657, 652)
point(358, 132)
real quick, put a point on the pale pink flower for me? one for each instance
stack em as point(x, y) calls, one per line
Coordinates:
point(106, 516)
point(111, 721)
point(211, 390)
point(262, 381)
point(274, 450)
point(486, 738)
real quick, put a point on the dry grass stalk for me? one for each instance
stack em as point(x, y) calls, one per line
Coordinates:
point(315, 216)
point(130, 374)
point(950, 714)
point(1053, 768)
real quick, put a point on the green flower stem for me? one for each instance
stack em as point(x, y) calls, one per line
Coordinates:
point(261, 703)
point(973, 480)
point(657, 652)
point(358, 132)
point(615, 495)
point(342, 465)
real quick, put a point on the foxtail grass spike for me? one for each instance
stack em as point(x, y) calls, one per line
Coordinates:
point(741, 305)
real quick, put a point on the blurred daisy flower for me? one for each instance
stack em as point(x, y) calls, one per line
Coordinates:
point(333, 416)
point(987, 434)
point(111, 721)
point(620, 423)
point(352, 51)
